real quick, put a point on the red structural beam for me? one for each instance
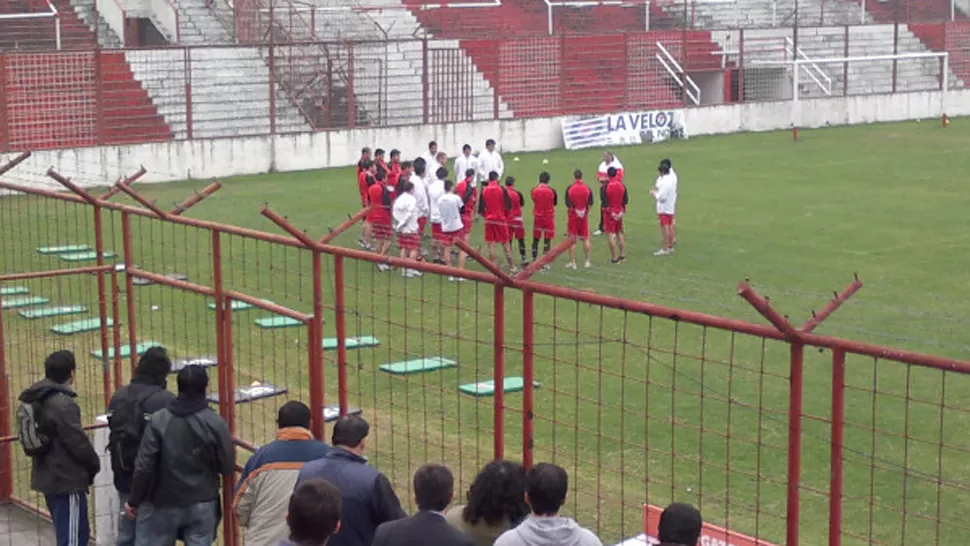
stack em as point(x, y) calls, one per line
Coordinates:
point(286, 226)
point(126, 181)
point(142, 201)
point(196, 198)
point(546, 258)
point(485, 262)
point(343, 227)
point(268, 306)
point(762, 306)
point(66, 182)
point(174, 283)
point(832, 306)
point(54, 273)
point(4, 169)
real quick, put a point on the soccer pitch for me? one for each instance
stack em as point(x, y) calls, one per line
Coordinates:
point(888, 202)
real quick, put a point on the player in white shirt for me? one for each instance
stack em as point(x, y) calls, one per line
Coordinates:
point(490, 161)
point(673, 173)
point(466, 161)
point(420, 193)
point(435, 190)
point(665, 192)
point(452, 227)
point(430, 160)
point(406, 214)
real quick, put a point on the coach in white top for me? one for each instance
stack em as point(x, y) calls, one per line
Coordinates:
point(665, 192)
point(464, 162)
point(490, 161)
point(449, 207)
point(609, 160)
point(420, 193)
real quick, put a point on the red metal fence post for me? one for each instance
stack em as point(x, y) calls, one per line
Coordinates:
point(895, 52)
point(741, 65)
point(272, 92)
point(129, 288)
point(845, 67)
point(496, 99)
point(425, 83)
point(4, 134)
point(226, 390)
point(796, 387)
point(102, 303)
point(351, 99)
point(341, 326)
point(838, 432)
point(188, 92)
point(116, 330)
point(498, 373)
point(98, 97)
point(528, 376)
point(228, 483)
point(6, 453)
point(314, 338)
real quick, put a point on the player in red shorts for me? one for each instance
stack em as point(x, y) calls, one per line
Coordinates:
point(406, 213)
point(616, 202)
point(494, 206)
point(514, 217)
point(579, 202)
point(665, 192)
point(364, 181)
point(450, 209)
point(381, 195)
point(466, 190)
point(544, 202)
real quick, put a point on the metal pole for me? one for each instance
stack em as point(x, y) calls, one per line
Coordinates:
point(549, 11)
point(341, 326)
point(838, 433)
point(129, 289)
point(102, 303)
point(796, 388)
point(528, 376)
point(57, 31)
point(6, 453)
point(862, 12)
point(316, 360)
point(498, 373)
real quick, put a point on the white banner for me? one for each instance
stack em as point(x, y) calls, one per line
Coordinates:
point(581, 132)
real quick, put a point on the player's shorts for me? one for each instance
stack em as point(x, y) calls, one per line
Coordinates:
point(611, 224)
point(409, 241)
point(436, 232)
point(381, 229)
point(578, 227)
point(466, 222)
point(448, 238)
point(666, 219)
point(516, 229)
point(422, 222)
point(496, 232)
point(544, 228)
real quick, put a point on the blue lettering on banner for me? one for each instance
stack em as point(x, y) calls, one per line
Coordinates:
point(640, 122)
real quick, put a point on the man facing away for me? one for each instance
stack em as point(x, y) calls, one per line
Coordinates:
point(513, 218)
point(544, 202)
point(381, 196)
point(665, 192)
point(313, 514)
point(680, 525)
point(546, 488)
point(420, 193)
point(579, 202)
point(185, 449)
point(469, 198)
point(451, 209)
point(267, 482)
point(407, 218)
point(495, 206)
point(435, 190)
point(614, 205)
point(367, 497)
point(129, 411)
point(63, 461)
point(434, 489)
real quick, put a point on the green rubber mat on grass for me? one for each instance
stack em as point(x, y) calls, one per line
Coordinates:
point(79, 326)
point(487, 388)
point(277, 322)
point(125, 351)
point(16, 303)
point(62, 249)
point(14, 291)
point(85, 256)
point(418, 365)
point(359, 342)
point(47, 312)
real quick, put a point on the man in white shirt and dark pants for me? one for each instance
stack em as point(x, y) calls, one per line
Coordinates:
point(452, 227)
point(490, 161)
point(665, 192)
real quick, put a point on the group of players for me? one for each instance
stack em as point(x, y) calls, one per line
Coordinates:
point(405, 196)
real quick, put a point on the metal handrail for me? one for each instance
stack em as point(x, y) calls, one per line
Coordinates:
point(675, 71)
point(813, 70)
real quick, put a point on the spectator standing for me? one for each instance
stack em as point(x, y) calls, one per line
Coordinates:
point(129, 410)
point(680, 525)
point(434, 489)
point(546, 488)
point(366, 495)
point(313, 514)
point(496, 503)
point(175, 488)
point(63, 461)
point(267, 481)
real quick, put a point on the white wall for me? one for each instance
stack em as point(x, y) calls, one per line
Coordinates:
point(220, 158)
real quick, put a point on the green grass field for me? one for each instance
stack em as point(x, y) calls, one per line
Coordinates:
point(637, 409)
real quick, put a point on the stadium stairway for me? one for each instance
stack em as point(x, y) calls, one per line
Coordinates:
point(199, 25)
point(39, 33)
point(763, 13)
point(88, 13)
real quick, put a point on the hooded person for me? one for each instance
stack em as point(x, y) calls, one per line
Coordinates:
point(545, 493)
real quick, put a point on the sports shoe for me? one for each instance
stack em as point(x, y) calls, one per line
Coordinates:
point(452, 279)
point(383, 267)
point(661, 252)
point(621, 259)
point(588, 264)
point(362, 243)
point(572, 265)
point(598, 232)
point(411, 273)
point(546, 267)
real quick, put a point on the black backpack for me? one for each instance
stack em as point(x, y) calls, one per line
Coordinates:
point(126, 424)
point(30, 431)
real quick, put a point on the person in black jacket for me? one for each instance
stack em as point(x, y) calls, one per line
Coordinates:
point(66, 471)
point(434, 489)
point(175, 487)
point(366, 494)
point(145, 395)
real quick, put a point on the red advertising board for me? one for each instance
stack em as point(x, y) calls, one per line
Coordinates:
point(711, 535)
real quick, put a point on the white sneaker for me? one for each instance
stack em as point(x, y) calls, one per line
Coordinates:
point(661, 252)
point(361, 243)
point(546, 267)
point(597, 232)
point(588, 264)
point(452, 279)
point(383, 267)
point(411, 273)
point(571, 265)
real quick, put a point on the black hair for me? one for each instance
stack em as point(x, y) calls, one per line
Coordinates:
point(380, 175)
point(349, 431)
point(489, 142)
point(155, 364)
point(407, 186)
point(509, 180)
point(611, 172)
point(492, 176)
point(577, 174)
point(395, 152)
point(497, 495)
point(546, 485)
point(314, 511)
point(466, 147)
point(434, 487)
point(379, 151)
point(432, 144)
point(293, 414)
point(680, 524)
point(449, 185)
point(406, 165)
point(366, 164)
point(666, 161)
point(364, 150)
point(469, 172)
point(663, 169)
point(419, 167)
point(60, 366)
point(544, 178)
point(441, 173)
point(193, 380)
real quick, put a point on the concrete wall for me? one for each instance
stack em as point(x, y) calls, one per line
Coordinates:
point(220, 158)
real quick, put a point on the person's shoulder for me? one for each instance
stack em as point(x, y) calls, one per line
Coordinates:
point(508, 538)
point(589, 538)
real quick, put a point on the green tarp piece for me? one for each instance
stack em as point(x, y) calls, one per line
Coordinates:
point(85, 256)
point(487, 388)
point(79, 326)
point(359, 342)
point(418, 365)
point(125, 351)
point(62, 249)
point(252, 393)
point(14, 291)
point(47, 312)
point(16, 303)
point(277, 322)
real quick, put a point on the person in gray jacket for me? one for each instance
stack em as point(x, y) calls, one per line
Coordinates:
point(546, 488)
point(175, 488)
point(66, 470)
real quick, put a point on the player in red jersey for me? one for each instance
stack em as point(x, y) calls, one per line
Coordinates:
point(381, 195)
point(406, 170)
point(579, 202)
point(394, 169)
point(364, 181)
point(514, 217)
point(466, 190)
point(495, 206)
point(615, 207)
point(544, 202)
point(380, 161)
point(364, 156)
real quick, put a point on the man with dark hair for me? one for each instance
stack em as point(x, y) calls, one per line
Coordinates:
point(381, 197)
point(494, 205)
point(268, 479)
point(364, 157)
point(615, 201)
point(513, 219)
point(680, 525)
point(128, 412)
point(544, 202)
point(63, 461)
point(579, 203)
point(394, 169)
point(434, 489)
point(365, 180)
point(430, 162)
point(545, 492)
point(367, 497)
point(313, 514)
point(175, 488)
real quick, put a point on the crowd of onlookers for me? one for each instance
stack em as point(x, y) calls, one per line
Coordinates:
point(170, 453)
